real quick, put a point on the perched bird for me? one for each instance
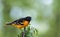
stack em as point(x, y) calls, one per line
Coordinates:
point(21, 23)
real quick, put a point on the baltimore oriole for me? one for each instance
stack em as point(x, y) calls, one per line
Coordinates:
point(21, 23)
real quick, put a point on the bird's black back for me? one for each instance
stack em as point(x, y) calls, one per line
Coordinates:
point(28, 18)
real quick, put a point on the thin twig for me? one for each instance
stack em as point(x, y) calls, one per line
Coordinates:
point(23, 33)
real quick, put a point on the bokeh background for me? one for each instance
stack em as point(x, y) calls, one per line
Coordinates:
point(45, 17)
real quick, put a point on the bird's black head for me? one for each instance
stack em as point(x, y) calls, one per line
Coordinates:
point(28, 18)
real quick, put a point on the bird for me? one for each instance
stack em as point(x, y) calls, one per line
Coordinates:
point(21, 23)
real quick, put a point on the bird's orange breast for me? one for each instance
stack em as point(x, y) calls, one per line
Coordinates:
point(26, 23)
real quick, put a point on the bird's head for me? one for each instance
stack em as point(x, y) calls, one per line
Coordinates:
point(28, 18)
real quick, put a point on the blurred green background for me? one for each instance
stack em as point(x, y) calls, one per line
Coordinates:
point(45, 17)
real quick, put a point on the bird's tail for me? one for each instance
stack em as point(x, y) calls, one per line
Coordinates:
point(9, 24)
